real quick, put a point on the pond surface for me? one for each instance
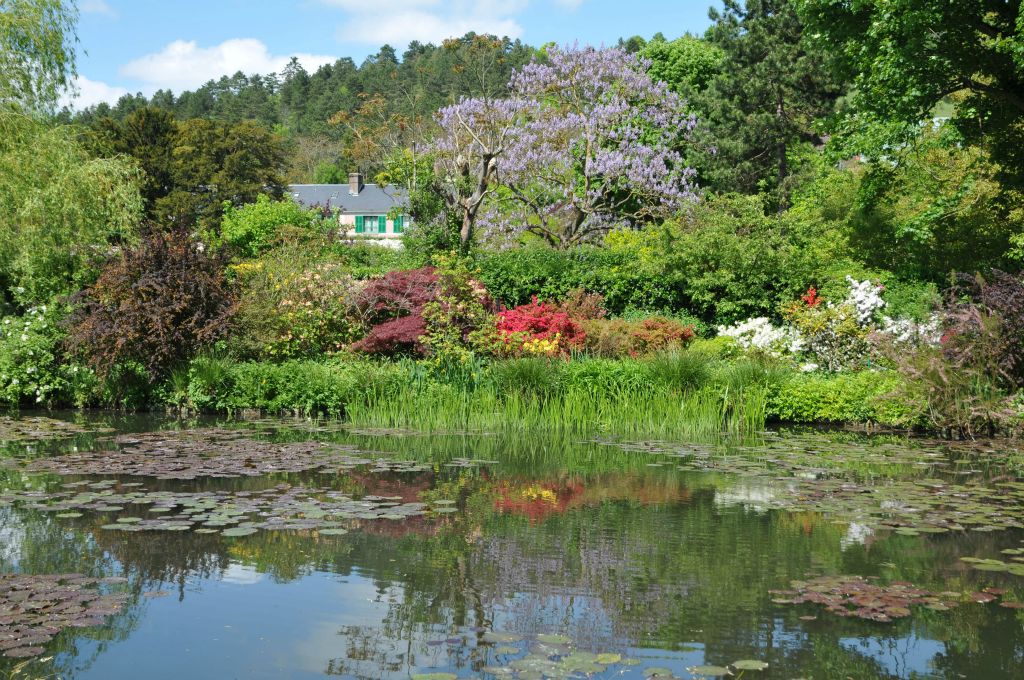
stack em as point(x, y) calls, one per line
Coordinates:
point(159, 548)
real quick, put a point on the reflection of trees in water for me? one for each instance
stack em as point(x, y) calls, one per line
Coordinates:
point(49, 546)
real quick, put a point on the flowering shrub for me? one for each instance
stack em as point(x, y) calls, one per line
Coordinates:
point(539, 328)
point(31, 369)
point(459, 319)
point(866, 299)
point(616, 338)
point(392, 306)
point(579, 304)
point(761, 335)
point(290, 309)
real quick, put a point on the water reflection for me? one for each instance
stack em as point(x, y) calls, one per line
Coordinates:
point(614, 548)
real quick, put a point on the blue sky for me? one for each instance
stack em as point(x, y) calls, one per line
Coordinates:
point(145, 45)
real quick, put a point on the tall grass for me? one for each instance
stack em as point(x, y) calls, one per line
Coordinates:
point(672, 395)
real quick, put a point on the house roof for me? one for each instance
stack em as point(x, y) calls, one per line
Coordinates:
point(373, 199)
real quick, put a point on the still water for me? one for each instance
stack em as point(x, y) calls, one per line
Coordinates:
point(286, 549)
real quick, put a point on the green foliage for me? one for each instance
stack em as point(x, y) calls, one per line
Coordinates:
point(37, 51)
point(33, 370)
point(513, 276)
point(252, 228)
point(61, 211)
point(457, 319)
point(293, 304)
point(214, 162)
point(931, 208)
point(862, 397)
point(686, 64)
point(905, 58)
point(759, 111)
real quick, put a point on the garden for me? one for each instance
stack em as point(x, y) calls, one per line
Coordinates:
point(700, 357)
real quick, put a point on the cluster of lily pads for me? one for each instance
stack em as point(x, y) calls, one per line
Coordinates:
point(229, 513)
point(864, 598)
point(34, 609)
point(1014, 567)
point(37, 428)
point(556, 657)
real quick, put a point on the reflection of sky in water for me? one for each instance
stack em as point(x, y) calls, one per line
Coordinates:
point(12, 535)
point(906, 657)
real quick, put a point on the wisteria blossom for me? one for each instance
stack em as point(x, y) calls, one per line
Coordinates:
point(585, 142)
point(474, 135)
point(596, 151)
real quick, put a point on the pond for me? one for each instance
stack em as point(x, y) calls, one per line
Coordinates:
point(159, 548)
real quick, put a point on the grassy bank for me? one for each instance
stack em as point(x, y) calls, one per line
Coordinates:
point(678, 394)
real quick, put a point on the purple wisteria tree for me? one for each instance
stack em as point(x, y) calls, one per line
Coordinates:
point(474, 136)
point(586, 142)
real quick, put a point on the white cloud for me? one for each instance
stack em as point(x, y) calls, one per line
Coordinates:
point(96, 7)
point(89, 92)
point(397, 22)
point(184, 64)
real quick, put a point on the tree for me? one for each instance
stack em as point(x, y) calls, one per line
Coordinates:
point(905, 57)
point(592, 149)
point(37, 51)
point(148, 135)
point(213, 163)
point(473, 135)
point(686, 65)
point(760, 110)
point(62, 211)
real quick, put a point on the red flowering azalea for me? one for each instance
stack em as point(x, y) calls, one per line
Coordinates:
point(540, 321)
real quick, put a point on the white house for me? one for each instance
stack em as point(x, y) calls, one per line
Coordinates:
point(369, 211)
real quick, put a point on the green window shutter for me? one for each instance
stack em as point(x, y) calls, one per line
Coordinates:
point(398, 224)
point(382, 224)
point(360, 227)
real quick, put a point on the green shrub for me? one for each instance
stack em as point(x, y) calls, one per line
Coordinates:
point(865, 396)
point(252, 228)
point(33, 371)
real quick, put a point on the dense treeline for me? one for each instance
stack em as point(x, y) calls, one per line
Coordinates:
point(330, 118)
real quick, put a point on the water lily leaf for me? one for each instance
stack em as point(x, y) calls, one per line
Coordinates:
point(497, 638)
point(434, 676)
point(551, 639)
point(238, 531)
point(609, 659)
point(749, 665)
point(710, 671)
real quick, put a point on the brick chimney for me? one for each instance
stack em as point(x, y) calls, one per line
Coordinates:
point(355, 183)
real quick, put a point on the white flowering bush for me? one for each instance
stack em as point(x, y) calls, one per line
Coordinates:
point(909, 333)
point(866, 300)
point(31, 372)
point(760, 334)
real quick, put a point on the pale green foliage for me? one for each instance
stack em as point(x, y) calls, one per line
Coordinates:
point(61, 211)
point(252, 228)
point(37, 51)
point(686, 64)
